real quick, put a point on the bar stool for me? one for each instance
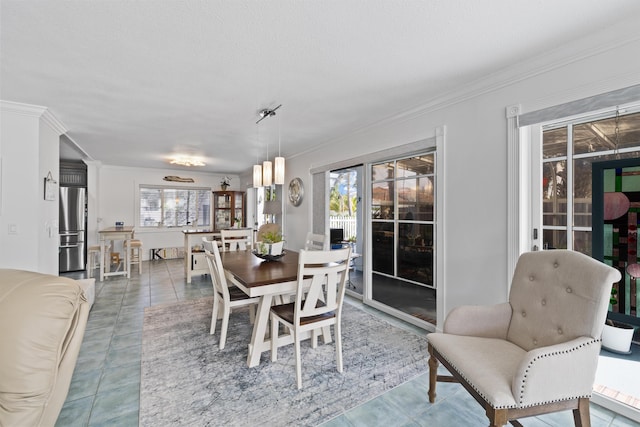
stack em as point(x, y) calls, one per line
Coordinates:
point(135, 253)
point(93, 255)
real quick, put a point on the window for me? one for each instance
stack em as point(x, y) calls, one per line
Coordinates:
point(568, 151)
point(174, 207)
point(403, 218)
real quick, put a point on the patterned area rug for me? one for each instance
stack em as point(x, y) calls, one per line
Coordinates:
point(186, 380)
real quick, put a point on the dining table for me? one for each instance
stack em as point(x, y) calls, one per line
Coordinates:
point(265, 279)
point(112, 234)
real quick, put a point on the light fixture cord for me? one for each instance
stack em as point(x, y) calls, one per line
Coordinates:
point(279, 136)
point(617, 133)
point(258, 140)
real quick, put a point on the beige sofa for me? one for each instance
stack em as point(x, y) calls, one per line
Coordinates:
point(42, 323)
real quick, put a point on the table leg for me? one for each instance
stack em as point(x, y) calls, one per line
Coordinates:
point(102, 256)
point(127, 253)
point(258, 342)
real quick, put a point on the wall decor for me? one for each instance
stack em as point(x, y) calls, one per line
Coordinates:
point(49, 187)
point(296, 191)
point(174, 178)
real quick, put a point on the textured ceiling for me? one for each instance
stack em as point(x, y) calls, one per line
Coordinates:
point(136, 82)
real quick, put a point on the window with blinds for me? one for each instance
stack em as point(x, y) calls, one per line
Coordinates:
point(174, 207)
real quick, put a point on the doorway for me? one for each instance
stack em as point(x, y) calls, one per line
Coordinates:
point(616, 208)
point(345, 220)
point(403, 224)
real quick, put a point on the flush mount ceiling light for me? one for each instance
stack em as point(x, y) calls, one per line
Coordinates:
point(187, 161)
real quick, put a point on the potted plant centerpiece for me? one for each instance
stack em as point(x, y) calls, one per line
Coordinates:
point(225, 183)
point(271, 243)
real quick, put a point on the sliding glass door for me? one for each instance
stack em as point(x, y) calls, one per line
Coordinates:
point(403, 206)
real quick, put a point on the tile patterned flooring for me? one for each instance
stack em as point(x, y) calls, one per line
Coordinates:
point(105, 387)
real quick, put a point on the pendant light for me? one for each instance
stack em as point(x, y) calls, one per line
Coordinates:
point(278, 172)
point(267, 170)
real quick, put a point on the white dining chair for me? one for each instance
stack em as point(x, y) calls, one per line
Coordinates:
point(322, 277)
point(233, 240)
point(316, 242)
point(225, 298)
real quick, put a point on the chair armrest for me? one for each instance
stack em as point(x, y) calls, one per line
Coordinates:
point(557, 372)
point(479, 321)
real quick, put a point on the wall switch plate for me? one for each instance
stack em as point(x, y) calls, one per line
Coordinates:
point(13, 228)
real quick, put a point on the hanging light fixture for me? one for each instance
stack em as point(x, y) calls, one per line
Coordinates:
point(278, 172)
point(257, 176)
point(267, 170)
point(269, 174)
point(257, 168)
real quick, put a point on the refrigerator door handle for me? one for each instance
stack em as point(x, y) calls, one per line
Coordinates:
point(68, 246)
point(69, 234)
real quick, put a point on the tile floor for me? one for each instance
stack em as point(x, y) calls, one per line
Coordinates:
point(106, 383)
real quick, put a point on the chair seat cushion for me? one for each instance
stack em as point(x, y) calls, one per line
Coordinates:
point(286, 313)
point(236, 294)
point(487, 364)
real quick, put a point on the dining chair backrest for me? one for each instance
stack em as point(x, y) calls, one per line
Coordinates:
point(316, 242)
point(216, 270)
point(233, 240)
point(208, 244)
point(327, 273)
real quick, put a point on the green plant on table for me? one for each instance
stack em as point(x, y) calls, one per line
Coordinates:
point(272, 237)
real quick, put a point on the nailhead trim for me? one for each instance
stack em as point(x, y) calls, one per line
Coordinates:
point(519, 404)
point(555, 353)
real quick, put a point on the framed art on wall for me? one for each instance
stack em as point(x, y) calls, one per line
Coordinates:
point(49, 187)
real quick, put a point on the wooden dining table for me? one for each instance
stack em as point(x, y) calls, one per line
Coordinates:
point(264, 279)
point(112, 234)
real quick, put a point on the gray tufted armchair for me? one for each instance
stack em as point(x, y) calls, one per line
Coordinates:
point(538, 352)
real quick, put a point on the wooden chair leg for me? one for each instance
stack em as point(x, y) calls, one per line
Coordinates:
point(225, 326)
point(338, 332)
point(581, 417)
point(296, 339)
point(214, 314)
point(433, 375)
point(497, 417)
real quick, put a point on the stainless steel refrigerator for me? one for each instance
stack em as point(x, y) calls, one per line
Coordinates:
point(73, 219)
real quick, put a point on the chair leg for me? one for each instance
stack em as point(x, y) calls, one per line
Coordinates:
point(298, 359)
point(338, 346)
point(581, 417)
point(225, 325)
point(497, 417)
point(214, 314)
point(274, 338)
point(433, 375)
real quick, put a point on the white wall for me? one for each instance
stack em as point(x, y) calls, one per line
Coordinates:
point(29, 150)
point(118, 194)
point(475, 170)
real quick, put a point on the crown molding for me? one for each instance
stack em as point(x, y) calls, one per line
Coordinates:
point(23, 109)
point(49, 119)
point(36, 111)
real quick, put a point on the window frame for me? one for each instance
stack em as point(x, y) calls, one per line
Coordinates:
point(165, 188)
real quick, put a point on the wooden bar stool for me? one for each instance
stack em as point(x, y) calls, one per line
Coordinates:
point(93, 255)
point(135, 253)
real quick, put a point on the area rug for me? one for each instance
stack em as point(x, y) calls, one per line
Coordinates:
point(186, 380)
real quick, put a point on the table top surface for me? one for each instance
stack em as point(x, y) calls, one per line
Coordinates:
point(252, 271)
point(123, 229)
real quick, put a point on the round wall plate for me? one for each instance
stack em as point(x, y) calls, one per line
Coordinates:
point(296, 191)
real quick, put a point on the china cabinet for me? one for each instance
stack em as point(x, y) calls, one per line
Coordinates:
point(228, 209)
